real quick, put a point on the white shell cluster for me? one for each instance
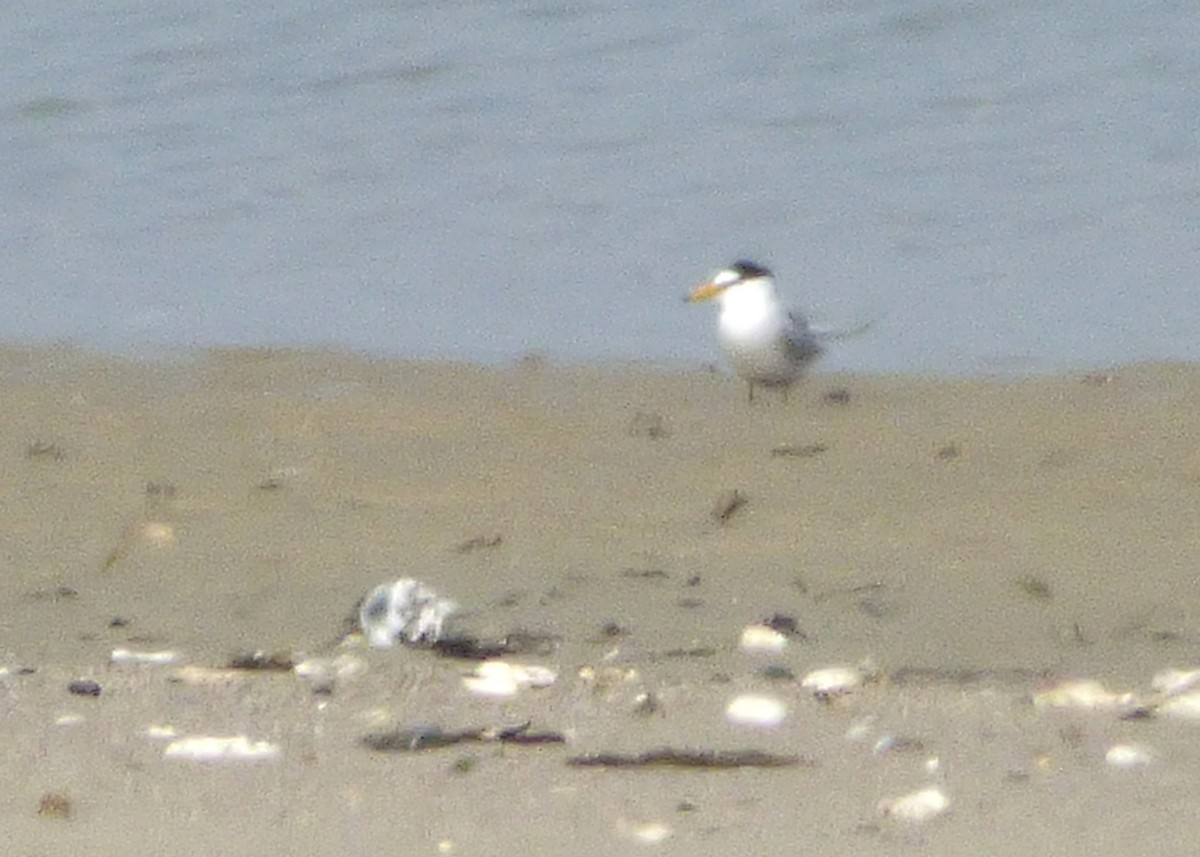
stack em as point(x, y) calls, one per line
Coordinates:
point(1080, 694)
point(1175, 693)
point(406, 611)
point(502, 679)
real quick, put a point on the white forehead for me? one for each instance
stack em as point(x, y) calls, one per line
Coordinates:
point(726, 277)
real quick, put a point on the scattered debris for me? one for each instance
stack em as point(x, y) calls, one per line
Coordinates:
point(702, 759)
point(777, 672)
point(805, 450)
point(54, 805)
point(46, 450)
point(836, 396)
point(468, 648)
point(963, 676)
point(727, 504)
point(648, 425)
point(58, 593)
point(260, 660)
point(434, 738)
point(645, 573)
point(1035, 588)
point(948, 452)
point(493, 540)
point(646, 703)
point(784, 624)
point(695, 652)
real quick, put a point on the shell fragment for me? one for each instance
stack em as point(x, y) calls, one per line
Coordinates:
point(207, 748)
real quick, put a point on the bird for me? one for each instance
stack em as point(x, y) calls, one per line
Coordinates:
point(767, 344)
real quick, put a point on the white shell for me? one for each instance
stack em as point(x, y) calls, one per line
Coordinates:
point(1185, 706)
point(406, 611)
point(207, 748)
point(501, 679)
point(915, 807)
point(645, 832)
point(324, 670)
point(1128, 756)
point(1174, 681)
point(755, 710)
point(760, 640)
point(129, 656)
point(832, 681)
point(1081, 694)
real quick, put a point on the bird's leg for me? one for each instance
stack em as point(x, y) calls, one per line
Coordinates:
point(750, 396)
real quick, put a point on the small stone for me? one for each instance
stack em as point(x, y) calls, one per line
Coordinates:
point(84, 687)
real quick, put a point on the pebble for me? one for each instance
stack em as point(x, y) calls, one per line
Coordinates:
point(915, 807)
point(755, 710)
point(84, 687)
point(207, 748)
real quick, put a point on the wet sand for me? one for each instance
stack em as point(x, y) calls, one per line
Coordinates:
point(972, 540)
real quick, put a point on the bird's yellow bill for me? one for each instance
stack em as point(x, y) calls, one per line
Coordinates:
point(705, 292)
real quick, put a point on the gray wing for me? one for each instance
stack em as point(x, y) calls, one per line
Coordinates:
point(803, 343)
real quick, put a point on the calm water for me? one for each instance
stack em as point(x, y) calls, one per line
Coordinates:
point(1009, 186)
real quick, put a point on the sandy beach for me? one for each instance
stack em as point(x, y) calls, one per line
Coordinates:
point(966, 545)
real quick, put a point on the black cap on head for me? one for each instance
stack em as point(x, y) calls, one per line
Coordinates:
point(749, 270)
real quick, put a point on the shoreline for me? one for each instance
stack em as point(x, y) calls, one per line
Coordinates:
point(972, 540)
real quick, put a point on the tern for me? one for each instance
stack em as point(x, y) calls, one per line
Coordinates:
point(767, 344)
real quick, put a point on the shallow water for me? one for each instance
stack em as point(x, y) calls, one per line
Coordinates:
point(1007, 187)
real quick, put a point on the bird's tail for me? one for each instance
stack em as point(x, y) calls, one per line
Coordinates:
point(824, 333)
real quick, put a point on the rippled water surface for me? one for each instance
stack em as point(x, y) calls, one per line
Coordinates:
point(1006, 186)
